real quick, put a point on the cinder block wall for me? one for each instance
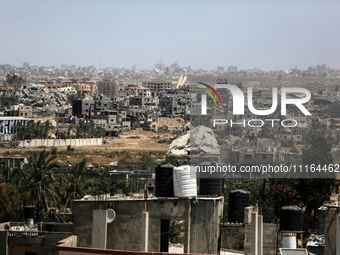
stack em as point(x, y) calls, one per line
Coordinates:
point(271, 239)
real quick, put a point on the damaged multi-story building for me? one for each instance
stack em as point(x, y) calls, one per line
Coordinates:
point(158, 87)
point(19, 110)
point(108, 88)
point(87, 107)
point(175, 105)
point(113, 121)
point(146, 119)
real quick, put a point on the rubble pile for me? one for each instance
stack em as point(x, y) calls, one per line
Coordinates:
point(40, 98)
point(199, 141)
point(203, 141)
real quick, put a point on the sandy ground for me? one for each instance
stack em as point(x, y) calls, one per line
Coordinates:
point(133, 142)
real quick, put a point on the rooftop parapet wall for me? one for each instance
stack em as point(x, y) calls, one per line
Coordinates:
point(201, 221)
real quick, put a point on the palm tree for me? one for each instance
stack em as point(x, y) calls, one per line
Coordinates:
point(38, 130)
point(102, 181)
point(46, 129)
point(40, 176)
point(69, 129)
point(76, 181)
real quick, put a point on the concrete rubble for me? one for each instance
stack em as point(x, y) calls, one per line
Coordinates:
point(199, 141)
point(39, 98)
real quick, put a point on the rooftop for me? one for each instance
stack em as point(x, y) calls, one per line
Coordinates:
point(13, 118)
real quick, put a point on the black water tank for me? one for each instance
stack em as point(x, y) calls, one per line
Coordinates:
point(291, 218)
point(322, 219)
point(164, 180)
point(238, 200)
point(50, 226)
point(29, 211)
point(210, 186)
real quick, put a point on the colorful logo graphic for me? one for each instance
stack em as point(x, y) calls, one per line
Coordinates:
point(239, 99)
point(208, 92)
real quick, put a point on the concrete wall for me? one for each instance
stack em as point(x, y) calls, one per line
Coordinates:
point(61, 142)
point(330, 231)
point(20, 250)
point(205, 220)
point(3, 242)
point(270, 240)
point(51, 240)
point(44, 245)
point(6, 137)
point(124, 233)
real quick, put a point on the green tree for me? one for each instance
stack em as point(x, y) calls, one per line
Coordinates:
point(315, 191)
point(40, 177)
point(294, 150)
point(69, 129)
point(7, 100)
point(14, 80)
point(287, 142)
point(146, 126)
point(77, 96)
point(47, 127)
point(77, 178)
point(265, 132)
point(12, 202)
point(146, 160)
point(101, 182)
point(126, 186)
point(270, 194)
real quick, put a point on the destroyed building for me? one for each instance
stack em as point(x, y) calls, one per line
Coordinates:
point(19, 110)
point(88, 87)
point(157, 87)
point(175, 105)
point(141, 101)
point(90, 107)
point(199, 145)
point(143, 119)
point(265, 152)
point(108, 88)
point(113, 121)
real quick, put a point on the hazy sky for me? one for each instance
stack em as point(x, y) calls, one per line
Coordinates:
point(203, 34)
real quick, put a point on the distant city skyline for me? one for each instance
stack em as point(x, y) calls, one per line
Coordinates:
point(165, 66)
point(270, 35)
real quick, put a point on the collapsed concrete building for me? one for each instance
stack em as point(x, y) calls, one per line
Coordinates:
point(198, 144)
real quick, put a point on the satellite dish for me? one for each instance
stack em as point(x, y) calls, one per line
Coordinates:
point(111, 215)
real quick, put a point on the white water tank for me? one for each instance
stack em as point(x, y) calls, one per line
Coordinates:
point(185, 184)
point(289, 240)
